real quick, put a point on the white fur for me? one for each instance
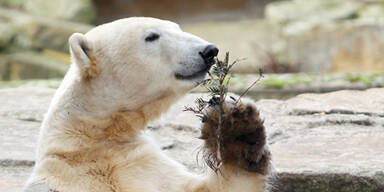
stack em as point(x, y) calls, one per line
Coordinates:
point(91, 138)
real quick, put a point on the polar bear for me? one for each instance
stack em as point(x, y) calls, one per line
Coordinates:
point(123, 75)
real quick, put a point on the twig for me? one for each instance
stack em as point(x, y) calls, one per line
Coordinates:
point(253, 84)
point(235, 62)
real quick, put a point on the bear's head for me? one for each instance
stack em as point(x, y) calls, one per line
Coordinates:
point(133, 61)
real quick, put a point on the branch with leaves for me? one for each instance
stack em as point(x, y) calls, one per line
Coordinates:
point(217, 86)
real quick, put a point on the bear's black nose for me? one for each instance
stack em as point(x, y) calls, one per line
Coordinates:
point(209, 52)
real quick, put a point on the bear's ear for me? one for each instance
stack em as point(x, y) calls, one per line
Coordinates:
point(82, 55)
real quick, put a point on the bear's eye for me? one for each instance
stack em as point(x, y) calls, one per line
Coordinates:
point(152, 37)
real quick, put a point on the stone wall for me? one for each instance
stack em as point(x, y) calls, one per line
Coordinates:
point(320, 142)
point(295, 36)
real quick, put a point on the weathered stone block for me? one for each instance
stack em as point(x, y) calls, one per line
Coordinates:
point(320, 142)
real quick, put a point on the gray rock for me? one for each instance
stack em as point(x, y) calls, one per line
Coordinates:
point(73, 10)
point(36, 32)
point(3, 68)
point(336, 47)
point(25, 104)
point(21, 114)
point(328, 142)
point(7, 32)
point(314, 10)
point(329, 35)
point(32, 65)
point(82, 11)
point(12, 179)
point(372, 11)
point(38, 187)
point(14, 4)
point(320, 142)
